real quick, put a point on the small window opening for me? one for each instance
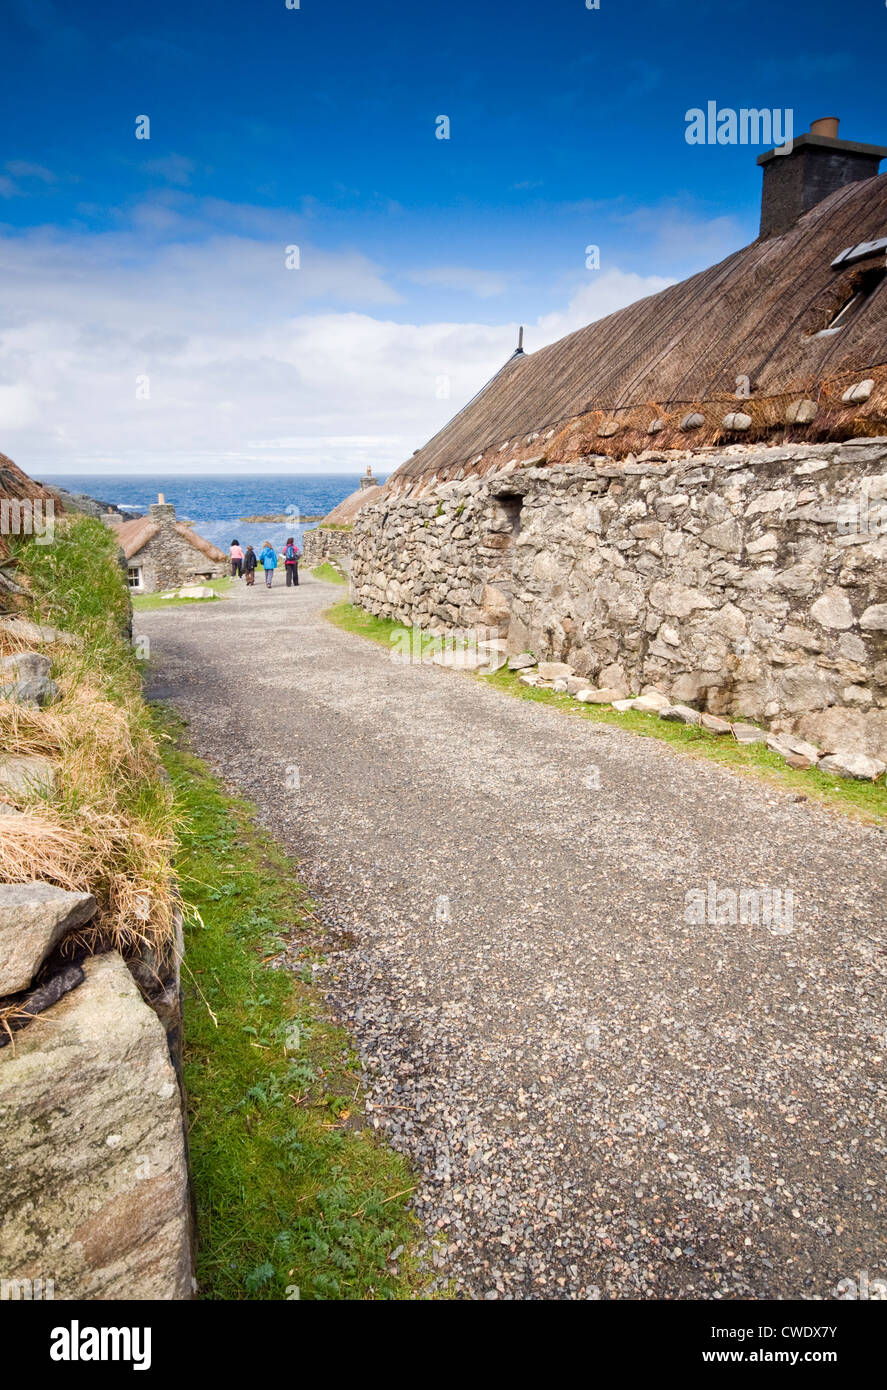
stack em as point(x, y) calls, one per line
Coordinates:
point(511, 504)
point(866, 284)
point(134, 576)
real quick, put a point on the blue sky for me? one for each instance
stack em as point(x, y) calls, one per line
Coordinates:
point(147, 317)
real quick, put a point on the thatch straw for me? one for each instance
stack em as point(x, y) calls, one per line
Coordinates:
point(756, 315)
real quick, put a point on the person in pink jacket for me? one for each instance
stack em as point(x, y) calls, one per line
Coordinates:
point(236, 554)
point(291, 562)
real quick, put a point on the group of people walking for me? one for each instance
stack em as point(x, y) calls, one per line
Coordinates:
point(244, 563)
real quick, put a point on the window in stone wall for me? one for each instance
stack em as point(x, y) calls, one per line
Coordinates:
point(134, 576)
point(511, 504)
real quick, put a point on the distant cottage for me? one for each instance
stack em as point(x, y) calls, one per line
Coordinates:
point(162, 553)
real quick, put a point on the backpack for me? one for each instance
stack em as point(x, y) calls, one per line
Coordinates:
point(290, 552)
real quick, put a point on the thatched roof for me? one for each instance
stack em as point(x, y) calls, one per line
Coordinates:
point(758, 314)
point(17, 486)
point(15, 483)
point(212, 552)
point(134, 535)
point(346, 510)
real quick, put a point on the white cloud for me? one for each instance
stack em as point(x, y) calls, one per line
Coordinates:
point(19, 406)
point(483, 283)
point(21, 169)
point(605, 292)
point(675, 233)
point(175, 168)
point(247, 364)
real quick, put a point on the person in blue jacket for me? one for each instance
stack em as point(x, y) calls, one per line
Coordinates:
point(268, 561)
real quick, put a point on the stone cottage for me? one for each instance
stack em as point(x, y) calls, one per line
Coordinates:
point(162, 553)
point(690, 494)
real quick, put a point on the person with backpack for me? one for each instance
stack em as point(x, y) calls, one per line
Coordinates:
point(268, 561)
point(249, 565)
point(236, 554)
point(291, 562)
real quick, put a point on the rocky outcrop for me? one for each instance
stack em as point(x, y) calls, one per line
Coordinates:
point(745, 581)
point(92, 1146)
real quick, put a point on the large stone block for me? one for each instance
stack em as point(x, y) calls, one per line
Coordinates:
point(832, 609)
point(33, 919)
point(843, 730)
point(27, 776)
point(678, 600)
point(92, 1147)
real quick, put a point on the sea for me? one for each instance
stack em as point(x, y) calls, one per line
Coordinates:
point(217, 504)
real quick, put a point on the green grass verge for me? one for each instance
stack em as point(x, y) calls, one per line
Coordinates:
point(221, 587)
point(293, 1190)
point(861, 799)
point(329, 574)
point(76, 584)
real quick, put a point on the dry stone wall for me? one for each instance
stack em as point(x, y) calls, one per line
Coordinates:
point(326, 543)
point(95, 1199)
point(748, 581)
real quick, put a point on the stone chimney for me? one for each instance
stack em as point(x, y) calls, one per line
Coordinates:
point(161, 510)
point(816, 165)
point(369, 480)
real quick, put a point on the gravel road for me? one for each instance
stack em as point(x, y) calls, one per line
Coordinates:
point(601, 1098)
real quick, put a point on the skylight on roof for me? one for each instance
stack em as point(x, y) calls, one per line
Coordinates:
point(865, 287)
point(860, 252)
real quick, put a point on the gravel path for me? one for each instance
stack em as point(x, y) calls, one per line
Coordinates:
point(601, 1099)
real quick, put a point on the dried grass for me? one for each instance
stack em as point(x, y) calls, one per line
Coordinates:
point(108, 826)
